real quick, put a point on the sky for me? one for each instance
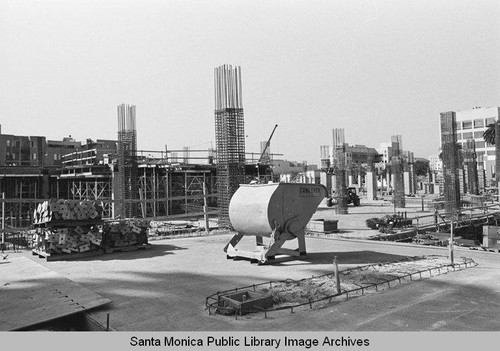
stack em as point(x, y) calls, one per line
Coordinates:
point(374, 68)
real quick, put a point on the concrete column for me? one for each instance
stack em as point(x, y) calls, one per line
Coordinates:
point(371, 186)
point(407, 182)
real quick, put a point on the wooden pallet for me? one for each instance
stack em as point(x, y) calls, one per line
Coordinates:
point(67, 257)
point(109, 250)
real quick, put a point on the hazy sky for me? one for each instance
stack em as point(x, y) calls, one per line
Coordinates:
point(374, 68)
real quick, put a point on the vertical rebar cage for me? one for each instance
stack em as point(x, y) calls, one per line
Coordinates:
point(229, 136)
point(397, 169)
point(127, 162)
point(339, 169)
point(450, 162)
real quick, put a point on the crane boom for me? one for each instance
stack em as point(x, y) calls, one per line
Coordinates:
point(267, 144)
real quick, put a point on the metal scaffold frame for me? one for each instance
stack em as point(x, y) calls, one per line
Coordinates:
point(23, 189)
point(91, 188)
point(166, 192)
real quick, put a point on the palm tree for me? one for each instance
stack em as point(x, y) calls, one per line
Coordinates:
point(460, 153)
point(489, 134)
point(489, 137)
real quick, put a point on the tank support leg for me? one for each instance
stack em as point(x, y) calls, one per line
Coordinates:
point(234, 241)
point(302, 244)
point(259, 241)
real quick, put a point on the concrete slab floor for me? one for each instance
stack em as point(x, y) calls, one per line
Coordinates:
point(164, 288)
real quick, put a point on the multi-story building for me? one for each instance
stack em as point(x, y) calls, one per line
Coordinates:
point(17, 150)
point(355, 155)
point(435, 163)
point(384, 150)
point(471, 124)
point(57, 148)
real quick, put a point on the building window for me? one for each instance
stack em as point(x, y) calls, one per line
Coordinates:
point(34, 156)
point(478, 123)
point(459, 136)
point(480, 144)
point(490, 120)
point(458, 125)
point(8, 142)
point(467, 135)
point(55, 157)
point(491, 152)
point(467, 125)
point(478, 134)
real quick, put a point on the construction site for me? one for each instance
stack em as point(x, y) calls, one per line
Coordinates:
point(112, 238)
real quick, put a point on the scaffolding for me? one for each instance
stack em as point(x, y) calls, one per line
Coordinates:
point(90, 187)
point(21, 192)
point(229, 135)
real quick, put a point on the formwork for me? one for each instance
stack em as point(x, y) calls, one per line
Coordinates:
point(229, 136)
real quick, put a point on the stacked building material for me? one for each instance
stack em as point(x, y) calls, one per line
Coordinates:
point(125, 233)
point(67, 210)
point(67, 240)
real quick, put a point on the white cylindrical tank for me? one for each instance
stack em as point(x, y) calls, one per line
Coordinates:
point(260, 208)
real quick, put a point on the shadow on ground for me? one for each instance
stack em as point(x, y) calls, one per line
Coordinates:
point(343, 258)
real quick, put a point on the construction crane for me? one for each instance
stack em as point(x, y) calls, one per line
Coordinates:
point(264, 151)
point(267, 145)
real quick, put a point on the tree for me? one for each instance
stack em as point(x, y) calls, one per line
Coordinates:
point(421, 168)
point(489, 137)
point(489, 134)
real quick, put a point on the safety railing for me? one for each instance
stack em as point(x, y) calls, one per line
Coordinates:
point(213, 305)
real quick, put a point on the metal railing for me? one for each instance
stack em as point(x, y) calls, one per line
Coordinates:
point(212, 302)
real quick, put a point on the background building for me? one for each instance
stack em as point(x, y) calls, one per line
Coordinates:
point(471, 124)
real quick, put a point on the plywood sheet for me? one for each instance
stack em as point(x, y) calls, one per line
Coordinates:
point(31, 294)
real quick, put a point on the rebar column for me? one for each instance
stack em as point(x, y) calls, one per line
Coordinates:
point(229, 137)
point(339, 166)
point(481, 178)
point(127, 161)
point(397, 171)
point(497, 153)
point(471, 167)
point(450, 163)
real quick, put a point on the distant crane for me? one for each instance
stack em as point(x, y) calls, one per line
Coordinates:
point(264, 151)
point(267, 145)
